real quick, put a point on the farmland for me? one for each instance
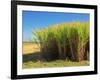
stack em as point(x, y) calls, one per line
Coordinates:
point(29, 49)
point(56, 63)
point(53, 46)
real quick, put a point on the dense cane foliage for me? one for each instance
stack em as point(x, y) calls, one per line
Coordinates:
point(71, 40)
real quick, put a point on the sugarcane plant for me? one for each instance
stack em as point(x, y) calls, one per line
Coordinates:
point(74, 35)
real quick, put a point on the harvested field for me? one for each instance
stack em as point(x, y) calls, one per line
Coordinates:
point(30, 48)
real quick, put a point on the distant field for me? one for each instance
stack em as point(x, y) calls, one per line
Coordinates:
point(29, 48)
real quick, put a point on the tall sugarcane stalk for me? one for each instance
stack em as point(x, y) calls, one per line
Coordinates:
point(64, 34)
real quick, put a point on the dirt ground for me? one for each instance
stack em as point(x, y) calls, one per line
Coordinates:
point(30, 48)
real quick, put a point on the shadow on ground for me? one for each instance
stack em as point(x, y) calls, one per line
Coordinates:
point(38, 56)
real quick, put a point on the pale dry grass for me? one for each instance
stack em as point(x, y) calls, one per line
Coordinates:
point(30, 48)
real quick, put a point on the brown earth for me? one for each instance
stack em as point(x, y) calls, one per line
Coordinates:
point(30, 48)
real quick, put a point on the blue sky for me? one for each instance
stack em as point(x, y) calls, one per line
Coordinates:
point(32, 20)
